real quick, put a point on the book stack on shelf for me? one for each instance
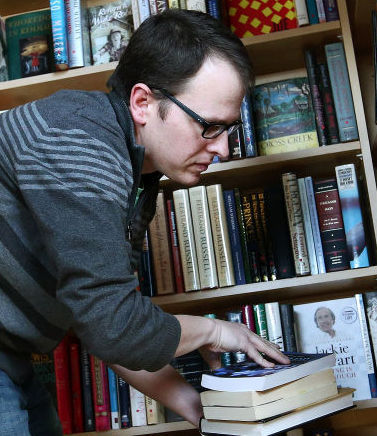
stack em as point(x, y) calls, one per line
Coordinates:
point(245, 399)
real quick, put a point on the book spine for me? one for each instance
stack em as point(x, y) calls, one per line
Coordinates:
point(100, 394)
point(260, 320)
point(63, 385)
point(162, 5)
point(237, 356)
point(138, 412)
point(352, 216)
point(242, 235)
point(331, 10)
point(302, 12)
point(248, 317)
point(59, 34)
point(153, 7)
point(3, 53)
point(366, 344)
point(234, 234)
point(311, 68)
point(331, 225)
point(144, 10)
point(161, 253)
point(214, 9)
point(328, 104)
point(87, 398)
point(173, 4)
point(370, 299)
point(135, 13)
point(124, 403)
point(220, 232)
point(296, 225)
point(178, 274)
point(321, 11)
point(315, 225)
point(274, 328)
point(288, 327)
point(260, 237)
point(186, 240)
point(196, 5)
point(77, 403)
point(146, 275)
point(307, 226)
point(236, 145)
point(203, 237)
point(113, 396)
point(155, 411)
point(248, 127)
point(312, 11)
point(341, 89)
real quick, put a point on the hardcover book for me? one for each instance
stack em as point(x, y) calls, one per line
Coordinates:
point(100, 389)
point(249, 376)
point(111, 26)
point(284, 116)
point(59, 34)
point(248, 127)
point(43, 366)
point(274, 327)
point(87, 397)
point(262, 248)
point(138, 410)
point(77, 402)
point(288, 327)
point(334, 326)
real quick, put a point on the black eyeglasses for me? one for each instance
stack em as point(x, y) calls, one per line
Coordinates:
point(210, 130)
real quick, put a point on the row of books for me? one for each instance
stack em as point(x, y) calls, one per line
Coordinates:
point(205, 237)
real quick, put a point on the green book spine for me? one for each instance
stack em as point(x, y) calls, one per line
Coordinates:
point(260, 320)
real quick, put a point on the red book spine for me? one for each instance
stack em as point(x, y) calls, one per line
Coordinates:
point(100, 394)
point(63, 385)
point(78, 414)
point(248, 317)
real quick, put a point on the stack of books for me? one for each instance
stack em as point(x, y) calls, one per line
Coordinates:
point(246, 399)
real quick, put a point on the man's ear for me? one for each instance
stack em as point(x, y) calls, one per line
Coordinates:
point(140, 100)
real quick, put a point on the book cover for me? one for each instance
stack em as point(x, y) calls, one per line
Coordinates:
point(333, 326)
point(352, 217)
point(29, 44)
point(100, 391)
point(288, 327)
point(341, 89)
point(87, 397)
point(331, 225)
point(3, 52)
point(274, 327)
point(248, 127)
point(203, 237)
point(284, 116)
point(138, 411)
point(113, 397)
point(111, 26)
point(77, 403)
point(248, 376)
point(124, 403)
point(59, 34)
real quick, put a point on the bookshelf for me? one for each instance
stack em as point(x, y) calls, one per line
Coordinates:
point(275, 55)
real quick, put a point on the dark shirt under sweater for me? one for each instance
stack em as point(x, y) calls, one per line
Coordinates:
point(68, 164)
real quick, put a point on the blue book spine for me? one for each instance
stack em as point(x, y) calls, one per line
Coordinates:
point(113, 393)
point(312, 11)
point(124, 403)
point(59, 34)
point(234, 235)
point(352, 217)
point(341, 89)
point(213, 9)
point(248, 127)
point(315, 225)
point(366, 343)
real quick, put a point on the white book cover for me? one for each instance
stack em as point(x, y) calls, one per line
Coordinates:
point(275, 332)
point(333, 326)
point(137, 405)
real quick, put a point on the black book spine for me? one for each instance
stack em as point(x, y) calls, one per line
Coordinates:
point(331, 10)
point(87, 399)
point(288, 327)
point(236, 145)
point(146, 282)
point(124, 403)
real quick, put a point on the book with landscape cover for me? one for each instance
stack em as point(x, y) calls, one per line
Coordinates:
point(333, 326)
point(284, 116)
point(249, 376)
point(111, 27)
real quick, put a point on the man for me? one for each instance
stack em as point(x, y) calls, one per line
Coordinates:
point(71, 232)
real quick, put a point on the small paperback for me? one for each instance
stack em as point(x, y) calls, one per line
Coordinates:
point(248, 376)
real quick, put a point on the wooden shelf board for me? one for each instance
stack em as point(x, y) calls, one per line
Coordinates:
point(366, 404)
point(170, 427)
point(355, 280)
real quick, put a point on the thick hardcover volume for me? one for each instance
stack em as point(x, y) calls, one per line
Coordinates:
point(328, 104)
point(312, 11)
point(367, 344)
point(63, 385)
point(235, 238)
point(138, 412)
point(186, 240)
point(161, 253)
point(352, 216)
point(321, 11)
point(100, 390)
point(302, 12)
point(155, 411)
point(277, 224)
point(341, 89)
point(261, 17)
point(274, 328)
point(145, 273)
point(203, 237)
point(260, 320)
point(248, 127)
point(3, 52)
point(242, 235)
point(315, 225)
point(331, 10)
point(288, 327)
point(330, 220)
point(296, 224)
point(248, 317)
point(124, 403)
point(87, 398)
point(59, 34)
point(307, 226)
point(29, 44)
point(333, 326)
point(370, 303)
point(284, 116)
point(221, 242)
point(260, 237)
point(77, 403)
point(178, 274)
point(111, 26)
point(78, 33)
point(311, 68)
point(113, 396)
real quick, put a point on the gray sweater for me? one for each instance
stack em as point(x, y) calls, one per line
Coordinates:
point(69, 172)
